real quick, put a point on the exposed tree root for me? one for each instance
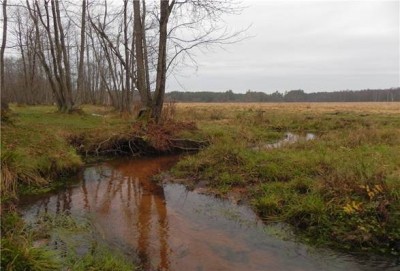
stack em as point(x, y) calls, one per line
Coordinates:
point(147, 139)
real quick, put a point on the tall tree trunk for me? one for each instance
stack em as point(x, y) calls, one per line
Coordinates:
point(145, 95)
point(35, 15)
point(146, 56)
point(4, 103)
point(126, 89)
point(65, 57)
point(57, 55)
point(165, 11)
point(80, 80)
point(26, 95)
point(57, 88)
point(32, 67)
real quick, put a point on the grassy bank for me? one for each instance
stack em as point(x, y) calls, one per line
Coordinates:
point(35, 147)
point(36, 156)
point(341, 189)
point(39, 145)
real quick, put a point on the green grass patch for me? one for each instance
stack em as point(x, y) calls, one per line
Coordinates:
point(35, 147)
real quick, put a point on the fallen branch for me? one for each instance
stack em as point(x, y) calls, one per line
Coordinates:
point(101, 143)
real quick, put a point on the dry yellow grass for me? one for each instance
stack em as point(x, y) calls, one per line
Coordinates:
point(376, 107)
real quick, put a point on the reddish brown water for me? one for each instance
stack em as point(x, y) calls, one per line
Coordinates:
point(171, 228)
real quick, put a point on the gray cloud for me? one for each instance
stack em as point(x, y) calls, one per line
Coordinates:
point(313, 45)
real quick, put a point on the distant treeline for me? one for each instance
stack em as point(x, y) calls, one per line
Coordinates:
point(367, 95)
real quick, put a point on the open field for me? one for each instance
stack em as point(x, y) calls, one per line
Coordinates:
point(367, 107)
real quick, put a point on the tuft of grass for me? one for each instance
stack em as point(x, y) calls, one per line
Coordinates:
point(14, 172)
point(18, 251)
point(52, 244)
point(101, 259)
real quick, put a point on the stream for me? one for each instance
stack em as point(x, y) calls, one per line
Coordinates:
point(171, 228)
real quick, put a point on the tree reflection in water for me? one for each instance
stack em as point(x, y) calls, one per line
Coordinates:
point(126, 206)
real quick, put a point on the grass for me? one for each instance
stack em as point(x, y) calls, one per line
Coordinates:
point(35, 146)
point(52, 244)
point(18, 251)
point(341, 189)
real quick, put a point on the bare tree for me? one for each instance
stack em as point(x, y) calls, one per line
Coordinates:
point(143, 66)
point(4, 103)
point(62, 54)
point(55, 40)
point(34, 14)
point(123, 52)
point(117, 76)
point(126, 88)
point(200, 17)
point(80, 80)
point(145, 95)
point(165, 12)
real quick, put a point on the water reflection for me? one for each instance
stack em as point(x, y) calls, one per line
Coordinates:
point(289, 138)
point(124, 204)
point(170, 228)
point(130, 208)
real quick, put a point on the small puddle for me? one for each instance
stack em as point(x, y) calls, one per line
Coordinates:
point(289, 139)
point(171, 228)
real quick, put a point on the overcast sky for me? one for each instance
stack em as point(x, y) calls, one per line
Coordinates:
point(310, 45)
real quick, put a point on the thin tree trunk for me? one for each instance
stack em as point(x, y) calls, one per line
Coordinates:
point(58, 57)
point(56, 92)
point(24, 62)
point(126, 89)
point(145, 95)
point(146, 56)
point(63, 52)
point(4, 103)
point(32, 67)
point(57, 89)
point(165, 11)
point(80, 80)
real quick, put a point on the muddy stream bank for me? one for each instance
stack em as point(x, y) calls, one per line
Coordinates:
point(167, 227)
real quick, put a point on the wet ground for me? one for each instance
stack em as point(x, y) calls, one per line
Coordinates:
point(171, 228)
